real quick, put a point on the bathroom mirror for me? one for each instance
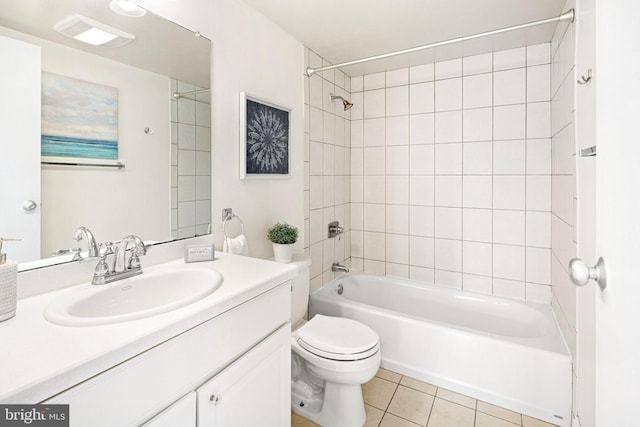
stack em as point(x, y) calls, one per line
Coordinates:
point(163, 192)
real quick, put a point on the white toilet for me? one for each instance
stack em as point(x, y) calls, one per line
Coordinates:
point(331, 357)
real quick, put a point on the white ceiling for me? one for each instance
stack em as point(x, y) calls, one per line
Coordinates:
point(344, 30)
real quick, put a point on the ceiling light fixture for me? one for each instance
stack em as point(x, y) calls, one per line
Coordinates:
point(127, 8)
point(92, 32)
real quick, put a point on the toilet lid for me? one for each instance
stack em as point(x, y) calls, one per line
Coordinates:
point(338, 338)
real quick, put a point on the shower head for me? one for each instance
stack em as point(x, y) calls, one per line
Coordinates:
point(346, 103)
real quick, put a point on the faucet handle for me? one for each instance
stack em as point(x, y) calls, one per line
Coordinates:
point(77, 256)
point(134, 260)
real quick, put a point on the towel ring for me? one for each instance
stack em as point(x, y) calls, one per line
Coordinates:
point(224, 224)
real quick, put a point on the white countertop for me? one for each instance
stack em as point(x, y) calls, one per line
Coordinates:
point(40, 359)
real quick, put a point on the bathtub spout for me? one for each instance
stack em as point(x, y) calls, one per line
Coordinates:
point(336, 266)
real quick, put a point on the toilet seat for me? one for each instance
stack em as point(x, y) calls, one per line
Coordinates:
point(338, 338)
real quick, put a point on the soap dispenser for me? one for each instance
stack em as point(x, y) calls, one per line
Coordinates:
point(8, 284)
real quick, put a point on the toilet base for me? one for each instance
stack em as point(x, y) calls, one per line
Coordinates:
point(337, 405)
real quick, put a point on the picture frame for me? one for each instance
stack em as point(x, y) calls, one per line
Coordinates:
point(265, 139)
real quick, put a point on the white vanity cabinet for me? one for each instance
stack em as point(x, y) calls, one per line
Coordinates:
point(182, 413)
point(253, 391)
point(241, 355)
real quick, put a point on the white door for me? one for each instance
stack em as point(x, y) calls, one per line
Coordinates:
point(20, 148)
point(254, 391)
point(617, 320)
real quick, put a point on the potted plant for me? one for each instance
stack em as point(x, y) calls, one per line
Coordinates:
point(283, 236)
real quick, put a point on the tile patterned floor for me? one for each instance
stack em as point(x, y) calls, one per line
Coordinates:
point(394, 400)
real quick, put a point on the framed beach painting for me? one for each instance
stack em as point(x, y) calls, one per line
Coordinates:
point(265, 144)
point(79, 119)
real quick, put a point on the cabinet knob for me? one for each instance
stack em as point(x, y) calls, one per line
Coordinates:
point(215, 399)
point(29, 205)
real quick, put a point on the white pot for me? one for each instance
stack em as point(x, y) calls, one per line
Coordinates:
point(282, 253)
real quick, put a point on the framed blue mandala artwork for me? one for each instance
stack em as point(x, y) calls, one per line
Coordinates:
point(265, 145)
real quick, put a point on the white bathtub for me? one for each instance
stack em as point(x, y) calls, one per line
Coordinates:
point(504, 352)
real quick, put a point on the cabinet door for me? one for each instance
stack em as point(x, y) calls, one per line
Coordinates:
point(253, 391)
point(182, 413)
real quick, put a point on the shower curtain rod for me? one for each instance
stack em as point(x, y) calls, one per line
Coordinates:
point(567, 16)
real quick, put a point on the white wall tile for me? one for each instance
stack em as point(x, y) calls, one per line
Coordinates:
point(374, 81)
point(539, 193)
point(509, 192)
point(397, 101)
point(539, 83)
point(397, 77)
point(422, 159)
point(477, 158)
point(478, 284)
point(448, 223)
point(328, 159)
point(315, 91)
point(477, 258)
point(397, 160)
point(538, 229)
point(509, 157)
point(448, 94)
point(538, 265)
point(477, 191)
point(509, 262)
point(422, 73)
point(477, 124)
point(422, 221)
point(374, 160)
point(357, 84)
point(448, 254)
point(507, 59)
point(357, 133)
point(374, 132)
point(478, 91)
point(374, 246)
point(421, 251)
point(357, 218)
point(422, 129)
point(539, 156)
point(357, 161)
point(448, 190)
point(509, 227)
point(397, 130)
point(374, 217)
point(477, 64)
point(508, 289)
point(539, 54)
point(374, 189)
point(448, 69)
point(448, 279)
point(477, 225)
point(397, 189)
point(421, 274)
point(400, 271)
point(397, 219)
point(357, 111)
point(539, 120)
point(509, 122)
point(448, 159)
point(448, 126)
point(510, 87)
point(397, 248)
point(374, 103)
point(422, 190)
point(422, 98)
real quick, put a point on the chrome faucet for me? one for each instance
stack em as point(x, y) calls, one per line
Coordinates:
point(119, 269)
point(85, 233)
point(336, 266)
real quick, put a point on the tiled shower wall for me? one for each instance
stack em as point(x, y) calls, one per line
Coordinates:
point(451, 173)
point(190, 162)
point(563, 183)
point(327, 160)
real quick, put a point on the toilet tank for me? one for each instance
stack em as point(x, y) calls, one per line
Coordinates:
point(300, 288)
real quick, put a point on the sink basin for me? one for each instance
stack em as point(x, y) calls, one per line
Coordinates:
point(138, 297)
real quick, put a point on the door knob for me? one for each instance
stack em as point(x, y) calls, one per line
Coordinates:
point(580, 273)
point(29, 205)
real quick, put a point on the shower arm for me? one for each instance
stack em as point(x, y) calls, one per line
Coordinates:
point(568, 16)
